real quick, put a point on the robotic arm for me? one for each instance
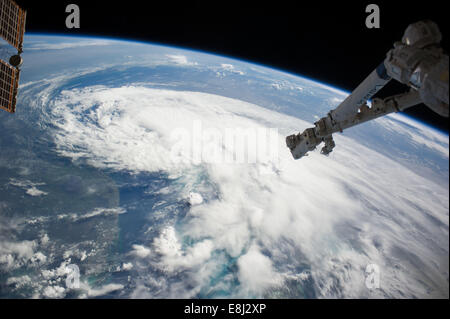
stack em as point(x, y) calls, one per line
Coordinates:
point(418, 61)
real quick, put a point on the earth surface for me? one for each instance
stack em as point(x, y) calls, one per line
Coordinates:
point(118, 162)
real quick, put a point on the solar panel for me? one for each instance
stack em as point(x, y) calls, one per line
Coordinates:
point(12, 23)
point(9, 81)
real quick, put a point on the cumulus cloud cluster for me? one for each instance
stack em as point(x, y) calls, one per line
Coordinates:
point(46, 282)
point(319, 221)
point(100, 211)
point(29, 187)
point(38, 268)
point(13, 255)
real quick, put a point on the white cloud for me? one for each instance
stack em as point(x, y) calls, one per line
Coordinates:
point(44, 239)
point(53, 283)
point(180, 59)
point(329, 89)
point(106, 289)
point(173, 257)
point(195, 198)
point(256, 272)
point(277, 86)
point(335, 100)
point(102, 211)
point(54, 292)
point(417, 133)
point(28, 186)
point(38, 258)
point(99, 211)
point(228, 67)
point(127, 266)
point(140, 251)
point(78, 253)
point(68, 45)
point(286, 85)
point(7, 261)
point(19, 282)
point(15, 254)
point(33, 191)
